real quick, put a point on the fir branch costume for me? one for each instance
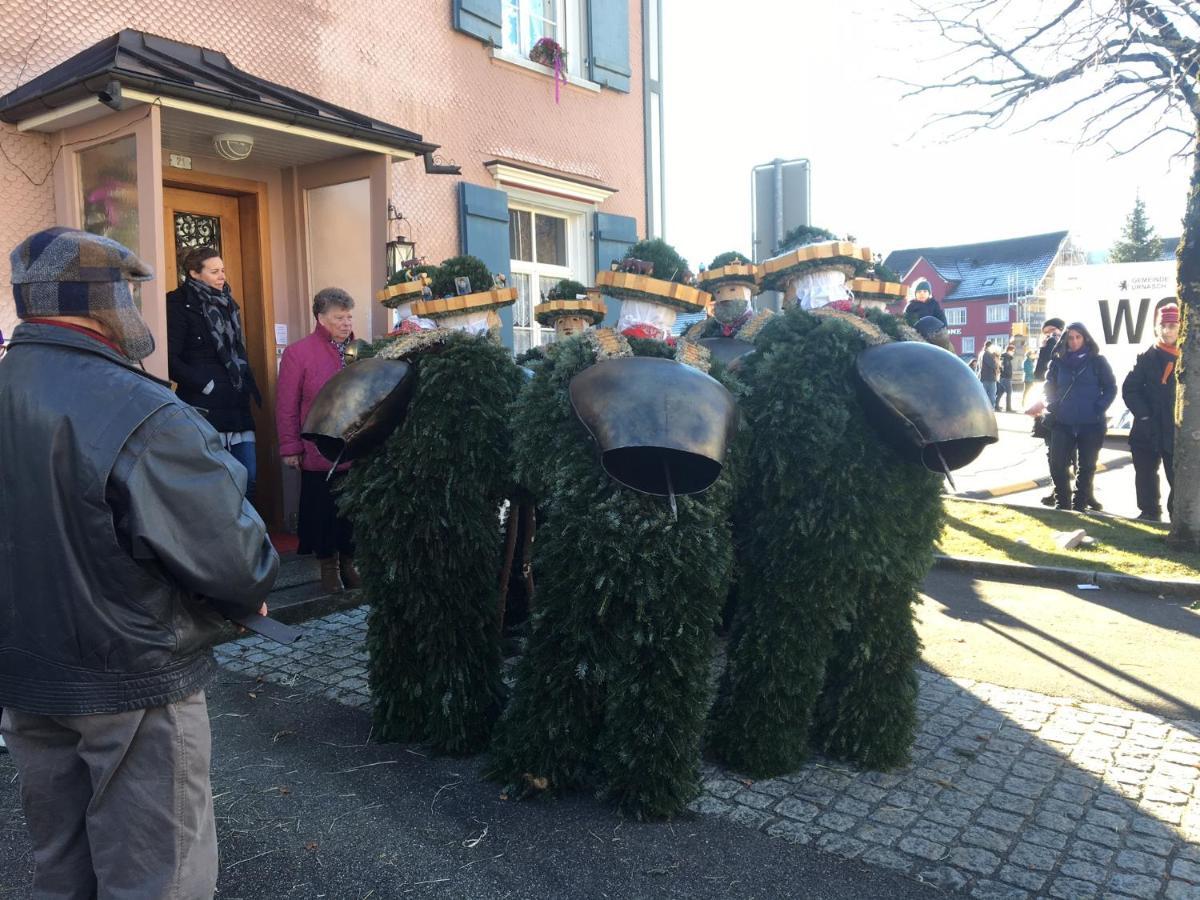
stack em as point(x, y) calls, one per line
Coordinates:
point(613, 690)
point(425, 511)
point(835, 534)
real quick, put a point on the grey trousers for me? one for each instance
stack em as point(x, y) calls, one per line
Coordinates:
point(118, 806)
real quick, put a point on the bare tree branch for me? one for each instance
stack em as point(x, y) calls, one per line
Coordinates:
point(1129, 61)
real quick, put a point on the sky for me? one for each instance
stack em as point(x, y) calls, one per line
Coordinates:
point(816, 81)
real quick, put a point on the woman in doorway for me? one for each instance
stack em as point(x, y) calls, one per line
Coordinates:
point(1080, 387)
point(303, 371)
point(206, 356)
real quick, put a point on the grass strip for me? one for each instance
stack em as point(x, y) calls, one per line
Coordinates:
point(1020, 534)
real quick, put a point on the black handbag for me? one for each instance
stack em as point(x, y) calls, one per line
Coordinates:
point(1042, 424)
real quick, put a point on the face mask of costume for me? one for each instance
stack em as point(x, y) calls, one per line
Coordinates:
point(728, 311)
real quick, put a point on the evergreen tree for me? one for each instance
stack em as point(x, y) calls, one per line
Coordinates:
point(1138, 243)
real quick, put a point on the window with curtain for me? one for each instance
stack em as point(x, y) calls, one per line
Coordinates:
point(541, 247)
point(956, 315)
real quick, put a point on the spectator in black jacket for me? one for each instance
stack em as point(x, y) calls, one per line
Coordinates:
point(923, 304)
point(206, 356)
point(1004, 385)
point(989, 370)
point(1149, 392)
point(1080, 387)
point(1051, 332)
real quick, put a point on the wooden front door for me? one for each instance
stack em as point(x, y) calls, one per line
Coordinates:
point(198, 218)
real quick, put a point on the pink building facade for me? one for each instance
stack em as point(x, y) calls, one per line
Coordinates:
point(370, 133)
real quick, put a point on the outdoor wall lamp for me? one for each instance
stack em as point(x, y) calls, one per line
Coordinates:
point(233, 146)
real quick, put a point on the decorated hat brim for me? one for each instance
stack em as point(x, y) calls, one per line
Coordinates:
point(871, 289)
point(480, 301)
point(552, 310)
point(838, 255)
point(630, 286)
point(395, 295)
point(747, 274)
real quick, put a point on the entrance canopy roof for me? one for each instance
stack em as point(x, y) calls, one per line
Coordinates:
point(134, 67)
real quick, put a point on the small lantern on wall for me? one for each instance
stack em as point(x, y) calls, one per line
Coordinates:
point(399, 250)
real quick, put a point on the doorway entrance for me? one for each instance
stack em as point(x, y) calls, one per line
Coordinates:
point(228, 214)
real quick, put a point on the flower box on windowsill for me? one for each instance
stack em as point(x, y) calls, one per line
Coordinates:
point(508, 58)
point(546, 52)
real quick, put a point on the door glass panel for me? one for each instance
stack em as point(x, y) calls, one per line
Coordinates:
point(108, 182)
point(520, 240)
point(546, 284)
point(523, 308)
point(551, 240)
point(194, 230)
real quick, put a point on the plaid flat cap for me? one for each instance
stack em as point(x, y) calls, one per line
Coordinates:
point(67, 272)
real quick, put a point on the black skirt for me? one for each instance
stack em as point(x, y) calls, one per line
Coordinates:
point(322, 531)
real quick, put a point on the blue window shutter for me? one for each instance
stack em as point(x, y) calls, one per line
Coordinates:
point(478, 18)
point(608, 37)
point(613, 235)
point(483, 232)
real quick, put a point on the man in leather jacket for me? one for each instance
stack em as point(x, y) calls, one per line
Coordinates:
point(125, 543)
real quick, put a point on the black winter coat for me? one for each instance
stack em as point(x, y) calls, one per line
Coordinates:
point(915, 311)
point(988, 366)
point(1006, 361)
point(1152, 401)
point(1045, 354)
point(124, 535)
point(192, 362)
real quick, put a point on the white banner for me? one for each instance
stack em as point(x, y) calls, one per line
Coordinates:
point(1117, 303)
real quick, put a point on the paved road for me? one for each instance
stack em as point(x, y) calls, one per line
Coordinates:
point(1019, 457)
point(1104, 646)
point(307, 808)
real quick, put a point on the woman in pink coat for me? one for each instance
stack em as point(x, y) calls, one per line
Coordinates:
point(304, 369)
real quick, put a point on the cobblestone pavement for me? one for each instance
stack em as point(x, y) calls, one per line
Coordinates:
point(1010, 794)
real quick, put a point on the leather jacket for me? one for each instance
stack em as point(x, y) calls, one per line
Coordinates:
point(125, 537)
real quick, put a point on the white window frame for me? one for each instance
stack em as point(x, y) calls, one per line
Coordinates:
point(956, 315)
point(999, 341)
point(968, 343)
point(579, 262)
point(996, 313)
point(569, 18)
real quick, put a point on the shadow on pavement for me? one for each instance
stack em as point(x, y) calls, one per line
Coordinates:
point(1165, 629)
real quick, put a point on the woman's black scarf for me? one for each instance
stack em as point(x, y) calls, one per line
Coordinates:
point(225, 324)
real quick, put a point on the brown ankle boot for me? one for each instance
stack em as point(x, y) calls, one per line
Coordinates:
point(331, 582)
point(350, 577)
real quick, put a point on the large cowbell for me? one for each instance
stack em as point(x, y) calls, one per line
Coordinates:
point(356, 409)
point(662, 427)
point(926, 403)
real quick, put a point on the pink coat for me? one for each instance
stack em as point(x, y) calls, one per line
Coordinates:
point(303, 371)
